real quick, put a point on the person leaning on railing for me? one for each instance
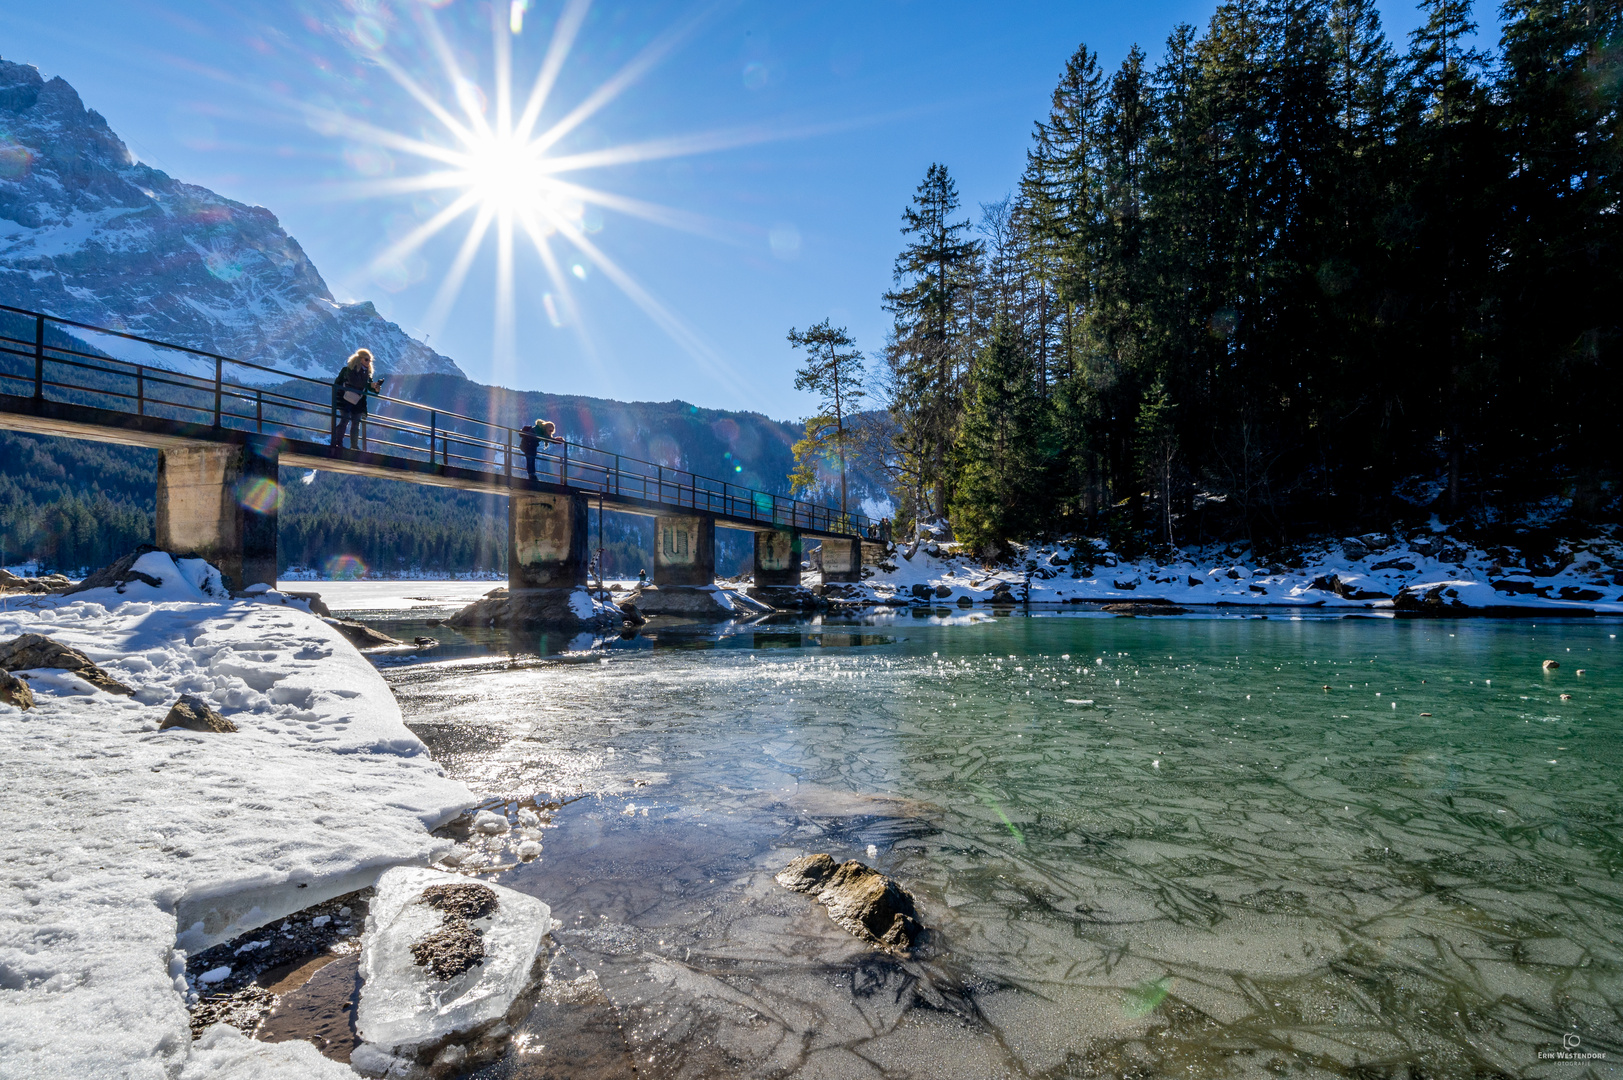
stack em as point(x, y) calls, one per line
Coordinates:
point(349, 392)
point(531, 437)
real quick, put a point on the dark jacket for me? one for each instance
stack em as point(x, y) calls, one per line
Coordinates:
point(350, 379)
point(529, 442)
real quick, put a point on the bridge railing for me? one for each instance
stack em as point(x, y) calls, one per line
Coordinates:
point(44, 357)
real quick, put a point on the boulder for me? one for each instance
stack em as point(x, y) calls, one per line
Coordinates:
point(694, 602)
point(1414, 600)
point(1125, 586)
point(360, 635)
point(1353, 549)
point(52, 583)
point(942, 592)
point(861, 899)
point(788, 598)
point(921, 591)
point(119, 574)
point(313, 599)
point(536, 609)
point(1193, 580)
point(1403, 565)
point(13, 691)
point(195, 714)
point(32, 651)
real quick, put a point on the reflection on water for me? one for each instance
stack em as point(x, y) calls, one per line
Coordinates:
point(1214, 847)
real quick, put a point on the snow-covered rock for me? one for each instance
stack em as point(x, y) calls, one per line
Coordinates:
point(89, 233)
point(409, 1016)
point(127, 844)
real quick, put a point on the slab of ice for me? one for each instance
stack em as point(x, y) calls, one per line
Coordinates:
point(402, 1005)
point(223, 1051)
point(115, 829)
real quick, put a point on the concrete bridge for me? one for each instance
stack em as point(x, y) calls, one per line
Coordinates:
point(223, 428)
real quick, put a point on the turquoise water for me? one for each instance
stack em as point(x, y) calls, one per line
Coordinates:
point(1146, 847)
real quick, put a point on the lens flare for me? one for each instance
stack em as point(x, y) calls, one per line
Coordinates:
point(263, 496)
point(345, 568)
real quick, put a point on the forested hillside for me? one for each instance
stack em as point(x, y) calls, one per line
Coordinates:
point(1289, 276)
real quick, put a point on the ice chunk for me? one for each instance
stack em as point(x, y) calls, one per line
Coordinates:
point(223, 1051)
point(489, 823)
point(214, 975)
point(403, 1006)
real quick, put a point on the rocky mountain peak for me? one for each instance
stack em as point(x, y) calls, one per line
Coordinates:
point(90, 234)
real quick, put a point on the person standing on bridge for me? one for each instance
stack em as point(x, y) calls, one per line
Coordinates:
point(530, 439)
point(349, 392)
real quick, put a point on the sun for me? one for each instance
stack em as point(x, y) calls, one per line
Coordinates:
point(508, 176)
point(505, 173)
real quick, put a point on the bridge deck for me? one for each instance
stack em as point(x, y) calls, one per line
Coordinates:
point(62, 380)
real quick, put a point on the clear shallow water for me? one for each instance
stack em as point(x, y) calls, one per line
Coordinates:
point(1173, 853)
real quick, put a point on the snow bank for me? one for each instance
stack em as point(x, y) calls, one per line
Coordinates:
point(1367, 572)
point(122, 838)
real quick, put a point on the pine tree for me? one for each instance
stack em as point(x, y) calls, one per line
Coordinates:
point(935, 275)
point(834, 372)
point(1003, 446)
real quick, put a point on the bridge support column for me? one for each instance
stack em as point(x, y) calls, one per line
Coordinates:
point(219, 502)
point(842, 560)
point(777, 559)
point(684, 550)
point(546, 542)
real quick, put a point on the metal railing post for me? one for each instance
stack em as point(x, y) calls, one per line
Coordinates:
point(563, 477)
point(217, 382)
point(140, 391)
point(39, 357)
point(507, 455)
point(259, 410)
point(433, 433)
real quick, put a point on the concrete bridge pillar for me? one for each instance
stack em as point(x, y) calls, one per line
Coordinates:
point(684, 550)
point(546, 542)
point(842, 560)
point(219, 502)
point(777, 559)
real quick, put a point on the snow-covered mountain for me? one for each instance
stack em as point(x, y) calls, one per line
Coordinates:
point(90, 234)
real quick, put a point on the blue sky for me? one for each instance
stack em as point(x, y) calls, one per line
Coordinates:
point(813, 123)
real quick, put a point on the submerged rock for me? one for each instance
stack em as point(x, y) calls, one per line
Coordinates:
point(195, 714)
point(1146, 607)
point(31, 651)
point(858, 897)
point(360, 635)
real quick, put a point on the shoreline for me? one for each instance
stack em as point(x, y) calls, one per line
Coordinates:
point(136, 846)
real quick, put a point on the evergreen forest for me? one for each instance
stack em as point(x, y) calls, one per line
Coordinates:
point(1289, 277)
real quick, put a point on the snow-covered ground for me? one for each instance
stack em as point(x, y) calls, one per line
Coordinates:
point(125, 843)
point(1370, 572)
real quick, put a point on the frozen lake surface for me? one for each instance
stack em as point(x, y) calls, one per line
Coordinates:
point(1193, 847)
